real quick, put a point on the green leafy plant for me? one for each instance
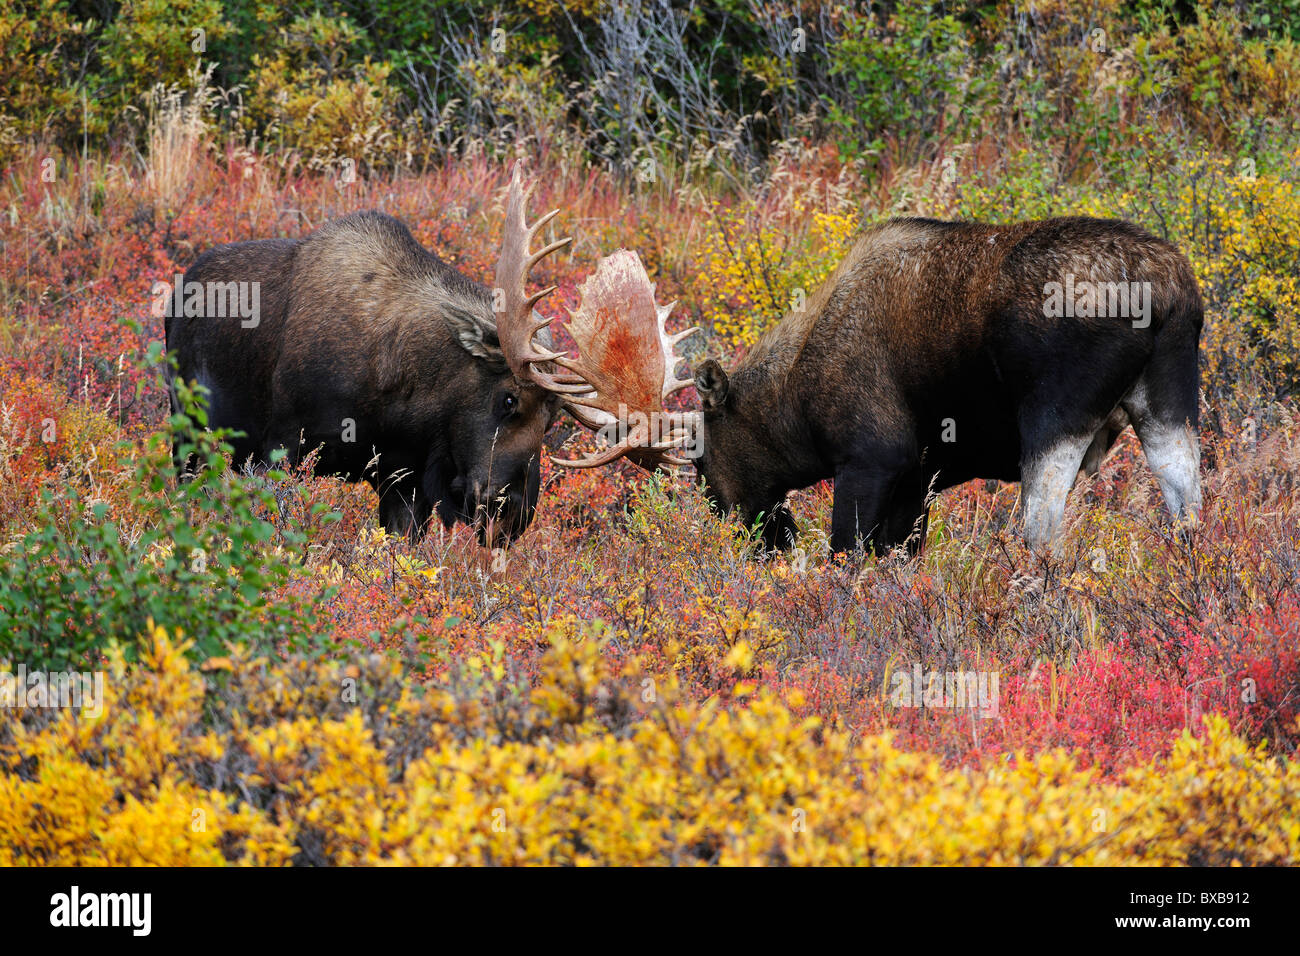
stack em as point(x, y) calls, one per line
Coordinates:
point(199, 556)
point(902, 73)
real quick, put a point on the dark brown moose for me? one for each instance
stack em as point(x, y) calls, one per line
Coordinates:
point(400, 372)
point(939, 352)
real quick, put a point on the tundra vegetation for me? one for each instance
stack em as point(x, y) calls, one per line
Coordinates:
point(287, 682)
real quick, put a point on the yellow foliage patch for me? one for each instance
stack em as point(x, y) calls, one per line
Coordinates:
point(574, 772)
point(751, 276)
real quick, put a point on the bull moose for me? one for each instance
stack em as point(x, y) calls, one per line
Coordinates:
point(398, 369)
point(938, 352)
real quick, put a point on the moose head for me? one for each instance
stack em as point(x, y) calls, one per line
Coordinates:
point(616, 386)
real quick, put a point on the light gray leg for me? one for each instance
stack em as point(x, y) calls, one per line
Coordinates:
point(1173, 452)
point(1046, 480)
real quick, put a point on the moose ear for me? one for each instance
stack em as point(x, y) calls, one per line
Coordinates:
point(711, 383)
point(473, 334)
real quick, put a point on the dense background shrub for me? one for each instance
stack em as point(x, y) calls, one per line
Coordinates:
point(713, 85)
point(201, 554)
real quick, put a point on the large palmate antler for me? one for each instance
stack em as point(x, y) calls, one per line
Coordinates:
point(517, 323)
point(626, 365)
point(627, 362)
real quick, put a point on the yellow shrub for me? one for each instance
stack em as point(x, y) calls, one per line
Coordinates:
point(1218, 802)
point(334, 112)
point(578, 774)
point(749, 278)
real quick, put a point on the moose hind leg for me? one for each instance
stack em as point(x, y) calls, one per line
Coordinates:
point(1091, 466)
point(907, 517)
point(1102, 442)
point(1173, 452)
point(1047, 476)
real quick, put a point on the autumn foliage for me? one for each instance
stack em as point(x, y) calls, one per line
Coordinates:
point(258, 763)
point(631, 682)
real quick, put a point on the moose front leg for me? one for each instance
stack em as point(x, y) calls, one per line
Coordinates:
point(403, 508)
point(778, 529)
point(907, 517)
point(862, 495)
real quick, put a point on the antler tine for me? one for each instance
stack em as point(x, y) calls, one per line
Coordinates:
point(648, 455)
point(544, 219)
point(628, 365)
point(672, 383)
point(596, 458)
point(518, 324)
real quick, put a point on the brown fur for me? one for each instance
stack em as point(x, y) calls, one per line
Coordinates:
point(360, 323)
point(929, 326)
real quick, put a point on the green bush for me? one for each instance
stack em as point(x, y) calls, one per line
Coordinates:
point(200, 557)
point(713, 88)
point(899, 75)
point(44, 48)
point(156, 41)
